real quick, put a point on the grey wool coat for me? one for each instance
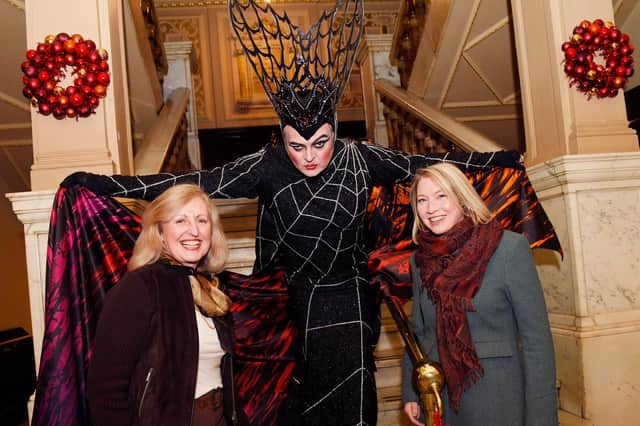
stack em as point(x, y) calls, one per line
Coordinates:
point(510, 330)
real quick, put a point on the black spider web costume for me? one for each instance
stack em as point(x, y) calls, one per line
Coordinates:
point(311, 226)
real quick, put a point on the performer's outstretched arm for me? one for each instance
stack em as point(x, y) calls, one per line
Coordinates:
point(389, 166)
point(236, 179)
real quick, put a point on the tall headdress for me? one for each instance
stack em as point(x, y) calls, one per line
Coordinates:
point(303, 74)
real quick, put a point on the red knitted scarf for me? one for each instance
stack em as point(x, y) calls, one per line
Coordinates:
point(452, 266)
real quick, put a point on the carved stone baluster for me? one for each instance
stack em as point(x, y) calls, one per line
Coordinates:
point(420, 135)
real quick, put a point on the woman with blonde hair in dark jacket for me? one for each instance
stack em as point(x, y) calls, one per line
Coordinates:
point(161, 353)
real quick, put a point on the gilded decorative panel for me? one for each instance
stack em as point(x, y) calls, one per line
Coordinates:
point(380, 16)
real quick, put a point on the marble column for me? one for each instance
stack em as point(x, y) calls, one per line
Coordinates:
point(584, 163)
point(33, 210)
point(182, 61)
point(373, 60)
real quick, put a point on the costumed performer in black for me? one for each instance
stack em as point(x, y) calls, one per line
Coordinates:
point(312, 192)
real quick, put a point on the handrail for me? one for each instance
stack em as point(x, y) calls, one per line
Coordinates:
point(164, 147)
point(453, 131)
point(146, 58)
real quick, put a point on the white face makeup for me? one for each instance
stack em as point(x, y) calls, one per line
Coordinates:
point(309, 156)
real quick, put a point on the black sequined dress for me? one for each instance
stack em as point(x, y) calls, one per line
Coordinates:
point(313, 228)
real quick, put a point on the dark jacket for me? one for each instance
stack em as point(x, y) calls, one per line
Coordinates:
point(145, 353)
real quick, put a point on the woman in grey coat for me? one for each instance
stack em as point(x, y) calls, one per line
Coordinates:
point(478, 309)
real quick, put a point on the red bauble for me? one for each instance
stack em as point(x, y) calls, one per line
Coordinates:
point(43, 75)
point(90, 79)
point(63, 101)
point(69, 46)
point(76, 99)
point(44, 109)
point(59, 113)
point(62, 37)
point(84, 111)
point(103, 78)
point(571, 53)
point(82, 50)
point(57, 47)
point(100, 91)
point(30, 71)
point(34, 83)
point(607, 45)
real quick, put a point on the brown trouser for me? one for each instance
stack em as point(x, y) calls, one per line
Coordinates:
point(208, 410)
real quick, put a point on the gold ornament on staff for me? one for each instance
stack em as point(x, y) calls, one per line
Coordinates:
point(428, 376)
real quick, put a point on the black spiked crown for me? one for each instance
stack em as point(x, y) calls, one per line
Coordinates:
point(303, 74)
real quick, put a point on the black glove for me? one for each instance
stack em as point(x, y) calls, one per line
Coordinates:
point(507, 159)
point(98, 184)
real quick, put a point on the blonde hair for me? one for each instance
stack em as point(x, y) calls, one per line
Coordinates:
point(455, 184)
point(148, 247)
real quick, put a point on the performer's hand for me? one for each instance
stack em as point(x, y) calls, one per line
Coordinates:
point(507, 159)
point(412, 410)
point(76, 178)
point(98, 184)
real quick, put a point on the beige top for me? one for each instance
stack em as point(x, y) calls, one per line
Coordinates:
point(210, 354)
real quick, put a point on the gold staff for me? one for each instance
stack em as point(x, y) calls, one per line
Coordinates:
point(428, 377)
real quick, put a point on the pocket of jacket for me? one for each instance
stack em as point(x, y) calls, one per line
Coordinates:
point(493, 349)
point(147, 382)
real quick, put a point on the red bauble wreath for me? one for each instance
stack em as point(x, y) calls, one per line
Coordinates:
point(598, 58)
point(46, 67)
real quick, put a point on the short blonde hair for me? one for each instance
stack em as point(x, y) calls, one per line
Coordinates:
point(455, 184)
point(148, 247)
